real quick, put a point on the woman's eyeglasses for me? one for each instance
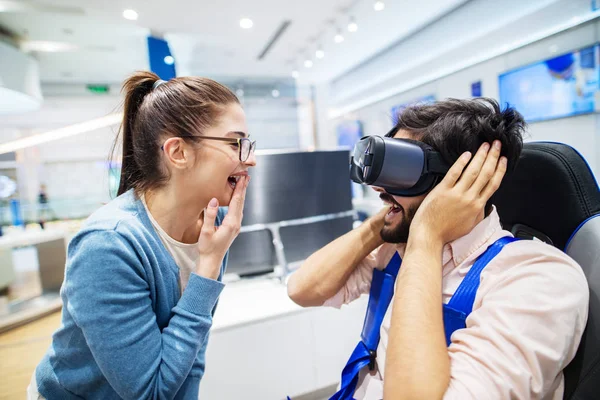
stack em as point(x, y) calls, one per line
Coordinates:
point(245, 145)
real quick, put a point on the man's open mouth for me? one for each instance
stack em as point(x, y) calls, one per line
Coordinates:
point(389, 200)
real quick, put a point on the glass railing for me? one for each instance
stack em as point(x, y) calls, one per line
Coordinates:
point(54, 210)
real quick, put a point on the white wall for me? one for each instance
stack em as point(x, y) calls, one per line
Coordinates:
point(477, 30)
point(580, 132)
point(273, 123)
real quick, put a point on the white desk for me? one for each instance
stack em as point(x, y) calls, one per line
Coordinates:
point(263, 346)
point(51, 254)
point(30, 238)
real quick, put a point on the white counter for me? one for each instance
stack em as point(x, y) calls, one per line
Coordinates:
point(252, 301)
point(263, 346)
point(30, 238)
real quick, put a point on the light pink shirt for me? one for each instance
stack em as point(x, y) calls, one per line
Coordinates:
point(528, 317)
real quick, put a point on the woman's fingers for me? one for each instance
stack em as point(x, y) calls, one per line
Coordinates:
point(236, 204)
point(210, 215)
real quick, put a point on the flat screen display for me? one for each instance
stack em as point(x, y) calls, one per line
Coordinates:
point(559, 87)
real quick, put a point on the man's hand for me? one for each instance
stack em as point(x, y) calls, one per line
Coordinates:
point(377, 221)
point(455, 206)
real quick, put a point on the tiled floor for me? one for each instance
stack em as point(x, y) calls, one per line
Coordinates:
point(20, 351)
point(22, 348)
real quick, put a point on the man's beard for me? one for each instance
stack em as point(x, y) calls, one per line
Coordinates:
point(399, 234)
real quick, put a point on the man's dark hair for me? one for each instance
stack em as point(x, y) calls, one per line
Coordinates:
point(454, 126)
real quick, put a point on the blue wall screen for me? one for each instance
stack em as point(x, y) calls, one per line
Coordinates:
point(559, 87)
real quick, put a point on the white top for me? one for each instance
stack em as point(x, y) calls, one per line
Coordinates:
point(528, 317)
point(185, 255)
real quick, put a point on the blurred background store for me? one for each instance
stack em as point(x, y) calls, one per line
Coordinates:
point(313, 77)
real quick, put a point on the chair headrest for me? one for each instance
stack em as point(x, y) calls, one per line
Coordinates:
point(552, 195)
point(549, 194)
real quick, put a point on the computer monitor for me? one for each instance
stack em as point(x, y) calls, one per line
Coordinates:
point(290, 186)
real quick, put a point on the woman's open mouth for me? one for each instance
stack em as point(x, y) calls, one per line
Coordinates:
point(235, 178)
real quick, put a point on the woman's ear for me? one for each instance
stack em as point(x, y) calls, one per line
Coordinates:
point(177, 153)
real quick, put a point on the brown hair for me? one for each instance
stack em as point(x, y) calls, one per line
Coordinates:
point(453, 126)
point(180, 107)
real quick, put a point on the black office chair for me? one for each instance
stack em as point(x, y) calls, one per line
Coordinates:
point(553, 196)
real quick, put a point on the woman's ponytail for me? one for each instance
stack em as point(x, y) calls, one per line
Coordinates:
point(136, 87)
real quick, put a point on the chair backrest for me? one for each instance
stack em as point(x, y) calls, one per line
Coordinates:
point(553, 196)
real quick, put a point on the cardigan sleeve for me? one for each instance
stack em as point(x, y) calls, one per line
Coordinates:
point(108, 296)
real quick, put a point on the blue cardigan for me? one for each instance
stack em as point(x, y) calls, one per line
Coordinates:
point(127, 332)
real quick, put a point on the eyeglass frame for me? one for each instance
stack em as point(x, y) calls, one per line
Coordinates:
point(224, 139)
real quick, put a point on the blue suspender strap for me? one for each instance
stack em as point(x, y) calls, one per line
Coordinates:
point(394, 265)
point(461, 304)
point(464, 296)
point(382, 291)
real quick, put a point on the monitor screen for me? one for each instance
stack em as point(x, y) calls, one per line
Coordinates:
point(292, 185)
point(288, 186)
point(562, 86)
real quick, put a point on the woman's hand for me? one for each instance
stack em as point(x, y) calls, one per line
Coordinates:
point(456, 204)
point(214, 240)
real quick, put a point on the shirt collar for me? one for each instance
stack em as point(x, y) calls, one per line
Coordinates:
point(462, 248)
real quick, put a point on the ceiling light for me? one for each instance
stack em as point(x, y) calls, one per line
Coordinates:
point(131, 15)
point(379, 5)
point(338, 38)
point(246, 23)
point(275, 93)
point(47, 46)
point(352, 25)
point(60, 133)
point(319, 53)
point(308, 63)
point(169, 60)
point(295, 74)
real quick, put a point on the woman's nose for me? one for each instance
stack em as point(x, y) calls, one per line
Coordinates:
point(251, 161)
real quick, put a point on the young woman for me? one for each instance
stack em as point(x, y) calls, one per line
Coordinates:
point(143, 275)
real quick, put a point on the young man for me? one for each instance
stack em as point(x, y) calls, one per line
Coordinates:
point(529, 309)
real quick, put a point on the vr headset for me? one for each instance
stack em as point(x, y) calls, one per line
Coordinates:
point(402, 167)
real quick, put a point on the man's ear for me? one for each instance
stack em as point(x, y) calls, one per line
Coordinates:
point(177, 153)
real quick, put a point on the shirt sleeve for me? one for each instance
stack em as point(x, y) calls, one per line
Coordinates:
point(524, 333)
point(359, 282)
point(108, 296)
